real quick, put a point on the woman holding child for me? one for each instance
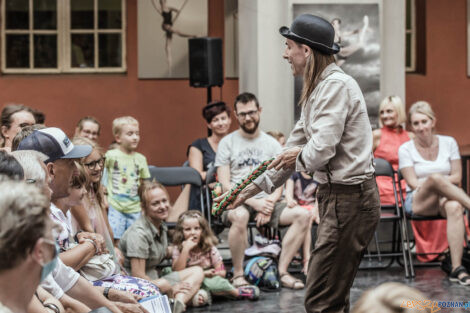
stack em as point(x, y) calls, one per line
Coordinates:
point(145, 246)
point(432, 169)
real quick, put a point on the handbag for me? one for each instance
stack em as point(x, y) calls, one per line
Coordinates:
point(98, 267)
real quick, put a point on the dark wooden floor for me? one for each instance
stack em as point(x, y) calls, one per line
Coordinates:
point(431, 281)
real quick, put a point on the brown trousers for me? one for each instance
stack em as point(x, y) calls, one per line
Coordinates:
point(349, 215)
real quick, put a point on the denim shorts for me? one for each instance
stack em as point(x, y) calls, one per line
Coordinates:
point(119, 221)
point(409, 202)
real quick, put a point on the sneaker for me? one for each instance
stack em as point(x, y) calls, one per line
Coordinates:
point(454, 276)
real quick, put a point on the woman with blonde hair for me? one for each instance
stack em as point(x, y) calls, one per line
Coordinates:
point(432, 169)
point(387, 139)
point(145, 246)
point(91, 216)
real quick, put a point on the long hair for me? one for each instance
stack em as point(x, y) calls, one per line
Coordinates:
point(207, 240)
point(316, 63)
point(95, 187)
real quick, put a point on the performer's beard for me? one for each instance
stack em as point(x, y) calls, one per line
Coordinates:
point(250, 130)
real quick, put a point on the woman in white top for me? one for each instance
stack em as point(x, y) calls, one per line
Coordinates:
point(432, 169)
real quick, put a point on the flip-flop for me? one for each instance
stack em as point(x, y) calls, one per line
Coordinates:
point(295, 284)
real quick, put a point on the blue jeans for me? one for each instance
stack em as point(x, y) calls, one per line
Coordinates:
point(121, 221)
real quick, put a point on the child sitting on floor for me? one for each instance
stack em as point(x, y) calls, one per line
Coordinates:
point(194, 244)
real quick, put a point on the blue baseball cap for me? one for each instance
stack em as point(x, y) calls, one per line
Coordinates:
point(54, 143)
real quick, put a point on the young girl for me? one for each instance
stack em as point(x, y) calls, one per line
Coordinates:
point(300, 190)
point(195, 245)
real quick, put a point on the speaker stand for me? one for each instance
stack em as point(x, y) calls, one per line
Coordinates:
point(209, 94)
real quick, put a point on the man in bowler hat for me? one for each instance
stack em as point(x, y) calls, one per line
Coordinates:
point(333, 140)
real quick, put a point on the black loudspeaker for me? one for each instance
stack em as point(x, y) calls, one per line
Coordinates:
point(205, 62)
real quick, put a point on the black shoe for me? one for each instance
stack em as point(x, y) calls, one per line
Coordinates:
point(454, 276)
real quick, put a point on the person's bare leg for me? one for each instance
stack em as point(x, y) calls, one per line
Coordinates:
point(307, 246)
point(193, 276)
point(455, 231)
point(298, 219)
point(181, 204)
point(434, 186)
point(237, 238)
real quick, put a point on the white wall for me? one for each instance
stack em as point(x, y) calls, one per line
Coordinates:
point(263, 71)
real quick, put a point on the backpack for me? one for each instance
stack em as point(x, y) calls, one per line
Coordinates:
point(262, 272)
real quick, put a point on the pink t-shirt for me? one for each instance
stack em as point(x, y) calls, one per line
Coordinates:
point(210, 259)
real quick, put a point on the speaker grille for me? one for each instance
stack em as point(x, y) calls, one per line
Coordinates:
point(205, 62)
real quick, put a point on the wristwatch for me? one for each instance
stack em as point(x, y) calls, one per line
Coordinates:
point(106, 292)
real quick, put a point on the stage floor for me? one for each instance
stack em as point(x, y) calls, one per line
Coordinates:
point(431, 281)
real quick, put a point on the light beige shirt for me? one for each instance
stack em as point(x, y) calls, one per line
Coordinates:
point(334, 132)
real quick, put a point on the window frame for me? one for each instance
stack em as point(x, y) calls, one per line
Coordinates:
point(412, 68)
point(64, 32)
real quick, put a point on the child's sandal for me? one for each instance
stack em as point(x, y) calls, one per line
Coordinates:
point(248, 292)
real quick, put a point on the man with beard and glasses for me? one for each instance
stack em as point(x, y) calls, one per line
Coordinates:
point(238, 154)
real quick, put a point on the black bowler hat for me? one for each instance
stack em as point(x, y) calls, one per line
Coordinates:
point(313, 31)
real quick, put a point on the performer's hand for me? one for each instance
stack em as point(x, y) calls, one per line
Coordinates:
point(285, 160)
point(236, 203)
point(262, 219)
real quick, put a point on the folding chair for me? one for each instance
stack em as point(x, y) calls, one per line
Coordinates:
point(392, 213)
point(175, 176)
point(407, 217)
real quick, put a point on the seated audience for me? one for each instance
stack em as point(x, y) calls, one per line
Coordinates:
point(145, 245)
point(195, 245)
point(393, 298)
point(300, 191)
point(238, 154)
point(12, 119)
point(59, 166)
point(387, 140)
point(201, 153)
point(126, 168)
point(88, 127)
point(26, 244)
point(432, 169)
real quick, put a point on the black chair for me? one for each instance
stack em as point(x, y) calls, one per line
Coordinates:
point(407, 217)
point(393, 213)
point(175, 176)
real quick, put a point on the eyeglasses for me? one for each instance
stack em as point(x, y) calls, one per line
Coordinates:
point(92, 164)
point(243, 115)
